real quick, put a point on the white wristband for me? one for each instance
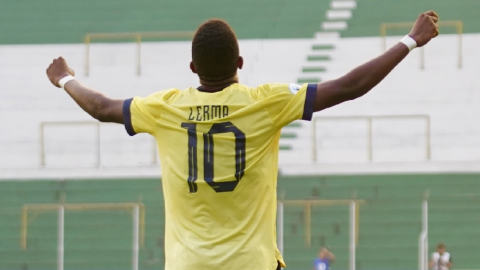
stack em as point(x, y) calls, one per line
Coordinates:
point(409, 42)
point(64, 80)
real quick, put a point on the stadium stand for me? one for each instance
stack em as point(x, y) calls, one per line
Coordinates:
point(324, 57)
point(371, 13)
point(33, 101)
point(280, 44)
point(165, 66)
point(389, 221)
point(68, 21)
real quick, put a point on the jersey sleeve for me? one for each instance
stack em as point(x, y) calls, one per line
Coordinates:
point(289, 102)
point(141, 114)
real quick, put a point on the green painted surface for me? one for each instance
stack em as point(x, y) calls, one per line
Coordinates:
point(371, 13)
point(285, 135)
point(314, 69)
point(390, 221)
point(293, 125)
point(318, 58)
point(308, 80)
point(67, 21)
point(285, 148)
point(323, 47)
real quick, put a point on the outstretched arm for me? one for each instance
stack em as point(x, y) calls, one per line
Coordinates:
point(362, 79)
point(94, 103)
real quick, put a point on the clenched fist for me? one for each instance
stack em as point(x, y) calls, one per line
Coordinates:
point(425, 28)
point(57, 70)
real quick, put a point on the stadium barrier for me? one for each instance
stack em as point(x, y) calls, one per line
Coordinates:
point(98, 163)
point(369, 120)
point(138, 37)
point(138, 228)
point(42, 137)
point(354, 222)
point(457, 25)
point(423, 238)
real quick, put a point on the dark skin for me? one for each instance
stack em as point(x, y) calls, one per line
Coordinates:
point(353, 85)
point(221, 84)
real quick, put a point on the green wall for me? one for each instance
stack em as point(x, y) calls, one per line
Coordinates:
point(67, 21)
point(390, 221)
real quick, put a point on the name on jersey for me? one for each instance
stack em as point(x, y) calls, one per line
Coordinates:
point(208, 112)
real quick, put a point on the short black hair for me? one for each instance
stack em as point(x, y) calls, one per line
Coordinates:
point(215, 51)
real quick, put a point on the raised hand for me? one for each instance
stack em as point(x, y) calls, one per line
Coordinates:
point(57, 70)
point(425, 28)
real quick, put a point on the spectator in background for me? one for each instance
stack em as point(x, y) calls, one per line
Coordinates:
point(441, 260)
point(325, 258)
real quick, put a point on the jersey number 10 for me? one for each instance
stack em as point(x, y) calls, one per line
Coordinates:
point(208, 156)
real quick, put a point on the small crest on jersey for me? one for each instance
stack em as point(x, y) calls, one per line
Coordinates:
point(294, 88)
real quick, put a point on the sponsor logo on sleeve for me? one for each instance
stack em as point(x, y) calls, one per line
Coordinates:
point(294, 88)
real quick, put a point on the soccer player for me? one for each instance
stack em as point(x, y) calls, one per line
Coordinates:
point(325, 258)
point(218, 144)
point(441, 260)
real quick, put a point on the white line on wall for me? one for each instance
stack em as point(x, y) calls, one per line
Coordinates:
point(341, 25)
point(339, 14)
point(347, 4)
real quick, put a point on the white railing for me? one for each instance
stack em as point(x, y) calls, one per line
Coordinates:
point(423, 239)
point(457, 25)
point(138, 222)
point(354, 222)
point(280, 227)
point(369, 120)
point(97, 141)
point(138, 37)
point(353, 209)
point(77, 123)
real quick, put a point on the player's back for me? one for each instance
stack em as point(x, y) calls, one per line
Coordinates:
point(218, 153)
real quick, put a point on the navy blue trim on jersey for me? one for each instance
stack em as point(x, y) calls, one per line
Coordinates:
point(127, 117)
point(309, 101)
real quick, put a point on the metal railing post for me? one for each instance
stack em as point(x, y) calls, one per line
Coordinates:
point(42, 145)
point(97, 138)
point(139, 54)
point(24, 228)
point(87, 55)
point(369, 132)
point(280, 227)
point(458, 25)
point(136, 236)
point(422, 58)
point(460, 43)
point(99, 157)
point(353, 237)
point(308, 224)
point(61, 237)
point(154, 152)
point(370, 139)
point(314, 140)
point(136, 36)
point(423, 238)
point(383, 33)
point(428, 138)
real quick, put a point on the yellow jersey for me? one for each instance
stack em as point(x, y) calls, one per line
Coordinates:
point(219, 159)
